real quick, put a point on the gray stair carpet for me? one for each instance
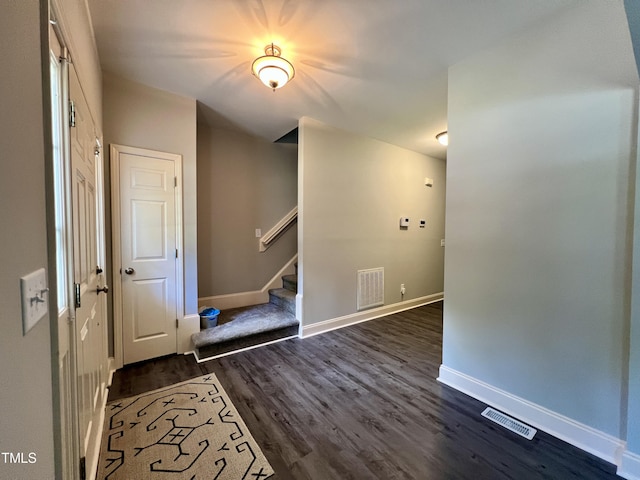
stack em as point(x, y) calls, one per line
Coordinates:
point(290, 282)
point(283, 298)
point(245, 327)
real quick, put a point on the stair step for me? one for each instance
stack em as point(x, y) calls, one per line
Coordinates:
point(216, 350)
point(247, 327)
point(283, 298)
point(290, 282)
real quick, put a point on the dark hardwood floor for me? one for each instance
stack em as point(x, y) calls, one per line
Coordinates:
point(362, 402)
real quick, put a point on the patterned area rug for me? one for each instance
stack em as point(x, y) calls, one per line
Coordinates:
point(190, 431)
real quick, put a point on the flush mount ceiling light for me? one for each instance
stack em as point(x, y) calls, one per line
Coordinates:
point(443, 138)
point(273, 70)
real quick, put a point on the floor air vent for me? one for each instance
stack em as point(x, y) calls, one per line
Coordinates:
point(509, 423)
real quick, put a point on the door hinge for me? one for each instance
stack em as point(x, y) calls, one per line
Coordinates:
point(176, 323)
point(176, 253)
point(175, 182)
point(72, 114)
point(83, 468)
point(76, 287)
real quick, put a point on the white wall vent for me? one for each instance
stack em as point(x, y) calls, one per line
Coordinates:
point(509, 423)
point(370, 288)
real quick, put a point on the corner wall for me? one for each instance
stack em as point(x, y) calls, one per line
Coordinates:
point(542, 137)
point(244, 183)
point(26, 418)
point(141, 116)
point(631, 460)
point(352, 192)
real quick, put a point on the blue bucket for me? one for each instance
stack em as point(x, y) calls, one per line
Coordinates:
point(209, 318)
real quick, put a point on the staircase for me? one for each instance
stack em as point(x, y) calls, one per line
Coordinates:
point(246, 327)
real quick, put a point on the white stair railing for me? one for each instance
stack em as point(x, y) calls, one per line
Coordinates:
point(272, 235)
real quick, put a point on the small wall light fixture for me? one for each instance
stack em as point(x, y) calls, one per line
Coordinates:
point(443, 138)
point(273, 70)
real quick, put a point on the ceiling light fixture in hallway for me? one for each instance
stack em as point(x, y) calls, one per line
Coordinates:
point(272, 69)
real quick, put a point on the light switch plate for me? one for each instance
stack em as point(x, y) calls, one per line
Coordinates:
point(35, 298)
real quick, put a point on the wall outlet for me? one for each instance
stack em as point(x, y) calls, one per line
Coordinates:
point(402, 289)
point(258, 232)
point(442, 242)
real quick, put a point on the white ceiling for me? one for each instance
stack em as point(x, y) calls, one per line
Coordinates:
point(375, 67)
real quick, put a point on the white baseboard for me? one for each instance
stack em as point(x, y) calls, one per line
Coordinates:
point(339, 322)
point(577, 434)
point(254, 297)
point(234, 300)
point(630, 466)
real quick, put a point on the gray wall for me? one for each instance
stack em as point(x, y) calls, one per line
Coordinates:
point(140, 116)
point(542, 134)
point(26, 421)
point(352, 192)
point(633, 425)
point(244, 183)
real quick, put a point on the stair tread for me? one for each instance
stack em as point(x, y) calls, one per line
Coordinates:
point(283, 293)
point(290, 282)
point(260, 319)
point(215, 350)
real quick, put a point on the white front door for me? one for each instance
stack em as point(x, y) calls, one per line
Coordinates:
point(67, 438)
point(87, 278)
point(147, 183)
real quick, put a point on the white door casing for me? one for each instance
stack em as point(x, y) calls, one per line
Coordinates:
point(105, 373)
point(146, 210)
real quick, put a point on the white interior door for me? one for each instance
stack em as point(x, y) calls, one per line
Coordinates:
point(148, 251)
point(89, 321)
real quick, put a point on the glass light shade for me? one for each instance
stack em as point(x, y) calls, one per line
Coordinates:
point(443, 138)
point(274, 71)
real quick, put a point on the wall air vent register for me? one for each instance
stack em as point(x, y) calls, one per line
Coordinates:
point(370, 288)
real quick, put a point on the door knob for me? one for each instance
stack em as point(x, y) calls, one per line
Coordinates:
point(99, 270)
point(129, 271)
point(104, 289)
